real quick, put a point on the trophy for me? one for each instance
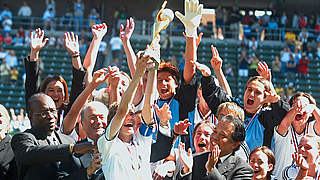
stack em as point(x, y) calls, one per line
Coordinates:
point(164, 17)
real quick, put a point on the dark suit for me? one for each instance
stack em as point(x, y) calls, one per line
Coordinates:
point(36, 159)
point(232, 168)
point(8, 168)
point(85, 161)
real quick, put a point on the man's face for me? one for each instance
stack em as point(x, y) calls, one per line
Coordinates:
point(309, 150)
point(201, 140)
point(166, 85)
point(44, 106)
point(55, 90)
point(253, 96)
point(222, 136)
point(95, 122)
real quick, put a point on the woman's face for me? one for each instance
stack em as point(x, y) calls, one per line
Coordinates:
point(309, 150)
point(55, 90)
point(301, 119)
point(260, 165)
point(201, 140)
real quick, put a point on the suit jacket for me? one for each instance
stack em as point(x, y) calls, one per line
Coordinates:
point(232, 168)
point(8, 168)
point(36, 159)
point(85, 161)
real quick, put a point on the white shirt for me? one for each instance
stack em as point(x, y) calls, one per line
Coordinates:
point(115, 43)
point(7, 24)
point(11, 60)
point(24, 11)
point(285, 56)
point(284, 148)
point(125, 161)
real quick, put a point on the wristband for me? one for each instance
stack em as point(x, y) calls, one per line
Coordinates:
point(150, 126)
point(174, 133)
point(75, 56)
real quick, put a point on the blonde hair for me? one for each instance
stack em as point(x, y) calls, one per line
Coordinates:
point(235, 110)
point(313, 138)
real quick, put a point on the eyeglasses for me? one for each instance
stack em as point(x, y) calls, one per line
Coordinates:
point(46, 113)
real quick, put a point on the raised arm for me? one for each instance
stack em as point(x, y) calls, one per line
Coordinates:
point(147, 113)
point(287, 120)
point(125, 35)
point(191, 21)
point(98, 31)
point(216, 63)
point(32, 83)
point(114, 93)
point(127, 97)
point(72, 45)
point(70, 120)
point(37, 43)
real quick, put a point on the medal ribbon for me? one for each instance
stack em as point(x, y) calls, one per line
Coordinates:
point(252, 119)
point(294, 136)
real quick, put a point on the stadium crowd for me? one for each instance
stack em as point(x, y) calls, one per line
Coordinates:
point(159, 122)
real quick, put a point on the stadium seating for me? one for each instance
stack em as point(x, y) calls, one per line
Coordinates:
point(57, 61)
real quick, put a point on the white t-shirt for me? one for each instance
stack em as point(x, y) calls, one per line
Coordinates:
point(115, 43)
point(284, 148)
point(125, 161)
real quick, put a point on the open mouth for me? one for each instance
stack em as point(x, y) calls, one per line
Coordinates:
point(298, 117)
point(256, 171)
point(250, 101)
point(163, 91)
point(55, 100)
point(201, 145)
point(128, 125)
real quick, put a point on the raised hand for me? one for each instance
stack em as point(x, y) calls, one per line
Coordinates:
point(37, 40)
point(125, 33)
point(185, 158)
point(99, 77)
point(114, 76)
point(216, 61)
point(301, 162)
point(99, 30)
point(270, 97)
point(205, 70)
point(37, 43)
point(192, 17)
point(264, 71)
point(142, 62)
point(72, 43)
point(160, 172)
point(163, 113)
point(213, 158)
point(181, 127)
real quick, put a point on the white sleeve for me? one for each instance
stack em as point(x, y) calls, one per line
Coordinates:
point(105, 143)
point(278, 138)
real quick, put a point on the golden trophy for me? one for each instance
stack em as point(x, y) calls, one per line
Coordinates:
point(164, 17)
